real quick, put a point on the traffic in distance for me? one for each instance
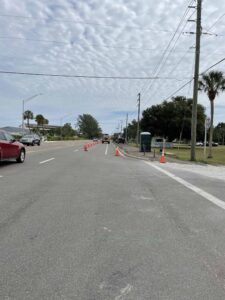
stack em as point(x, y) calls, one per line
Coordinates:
point(13, 149)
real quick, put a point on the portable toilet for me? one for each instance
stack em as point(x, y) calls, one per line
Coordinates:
point(145, 142)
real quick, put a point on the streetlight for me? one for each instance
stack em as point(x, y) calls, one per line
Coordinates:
point(25, 101)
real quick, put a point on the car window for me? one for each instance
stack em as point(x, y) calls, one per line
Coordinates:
point(2, 136)
point(8, 137)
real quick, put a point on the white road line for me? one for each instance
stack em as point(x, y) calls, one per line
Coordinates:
point(1, 176)
point(47, 160)
point(106, 150)
point(124, 292)
point(76, 150)
point(190, 186)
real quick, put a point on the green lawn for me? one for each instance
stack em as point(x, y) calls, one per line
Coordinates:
point(184, 154)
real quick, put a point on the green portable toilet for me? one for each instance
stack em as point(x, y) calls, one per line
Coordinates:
point(145, 142)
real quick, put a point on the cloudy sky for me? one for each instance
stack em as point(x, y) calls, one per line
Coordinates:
point(125, 38)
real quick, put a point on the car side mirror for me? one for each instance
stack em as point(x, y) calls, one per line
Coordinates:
point(12, 141)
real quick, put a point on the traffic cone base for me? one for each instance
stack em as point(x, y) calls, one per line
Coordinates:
point(162, 158)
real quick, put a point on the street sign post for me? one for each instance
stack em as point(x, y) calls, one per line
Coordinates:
point(207, 126)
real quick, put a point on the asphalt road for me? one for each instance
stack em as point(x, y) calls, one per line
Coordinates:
point(92, 226)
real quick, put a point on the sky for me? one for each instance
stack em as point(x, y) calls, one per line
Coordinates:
point(112, 38)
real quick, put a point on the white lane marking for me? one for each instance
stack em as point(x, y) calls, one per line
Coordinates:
point(1, 176)
point(106, 149)
point(190, 186)
point(45, 161)
point(107, 229)
point(76, 150)
point(124, 292)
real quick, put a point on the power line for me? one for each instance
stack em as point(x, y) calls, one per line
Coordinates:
point(183, 86)
point(158, 66)
point(185, 55)
point(168, 54)
point(209, 68)
point(178, 90)
point(216, 22)
point(83, 76)
point(86, 23)
point(73, 43)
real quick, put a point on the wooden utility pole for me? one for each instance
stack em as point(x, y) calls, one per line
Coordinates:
point(196, 80)
point(126, 138)
point(138, 122)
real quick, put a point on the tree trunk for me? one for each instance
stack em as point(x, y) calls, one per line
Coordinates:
point(211, 128)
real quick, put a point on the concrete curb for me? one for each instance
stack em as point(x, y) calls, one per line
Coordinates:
point(133, 156)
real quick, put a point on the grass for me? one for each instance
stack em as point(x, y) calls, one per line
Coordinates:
point(184, 154)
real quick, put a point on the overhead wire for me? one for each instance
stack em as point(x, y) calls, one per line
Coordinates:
point(85, 23)
point(84, 76)
point(202, 73)
point(158, 65)
point(72, 43)
point(189, 82)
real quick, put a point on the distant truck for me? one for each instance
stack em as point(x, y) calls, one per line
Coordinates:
point(105, 138)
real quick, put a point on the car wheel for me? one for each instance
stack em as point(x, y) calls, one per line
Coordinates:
point(39, 143)
point(21, 157)
point(33, 143)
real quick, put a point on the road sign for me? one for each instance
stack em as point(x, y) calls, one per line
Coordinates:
point(207, 123)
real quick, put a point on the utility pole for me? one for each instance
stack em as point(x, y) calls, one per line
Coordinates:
point(196, 79)
point(121, 127)
point(138, 123)
point(126, 138)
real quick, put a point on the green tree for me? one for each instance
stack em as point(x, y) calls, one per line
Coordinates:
point(132, 130)
point(219, 133)
point(39, 119)
point(88, 126)
point(67, 130)
point(28, 115)
point(172, 119)
point(212, 83)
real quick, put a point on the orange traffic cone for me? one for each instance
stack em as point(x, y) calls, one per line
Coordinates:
point(85, 147)
point(117, 152)
point(162, 158)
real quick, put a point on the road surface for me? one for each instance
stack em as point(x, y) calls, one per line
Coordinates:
point(93, 226)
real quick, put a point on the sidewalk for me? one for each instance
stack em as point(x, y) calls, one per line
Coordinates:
point(132, 151)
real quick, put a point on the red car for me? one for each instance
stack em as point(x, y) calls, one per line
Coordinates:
point(10, 148)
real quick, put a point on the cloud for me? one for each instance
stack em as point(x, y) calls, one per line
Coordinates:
point(92, 37)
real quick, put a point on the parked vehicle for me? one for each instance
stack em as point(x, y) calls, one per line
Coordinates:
point(10, 148)
point(214, 144)
point(199, 144)
point(31, 139)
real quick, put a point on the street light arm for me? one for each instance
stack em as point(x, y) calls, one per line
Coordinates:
point(32, 97)
point(23, 102)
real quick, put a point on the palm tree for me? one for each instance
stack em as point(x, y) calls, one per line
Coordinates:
point(212, 83)
point(28, 115)
point(39, 119)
